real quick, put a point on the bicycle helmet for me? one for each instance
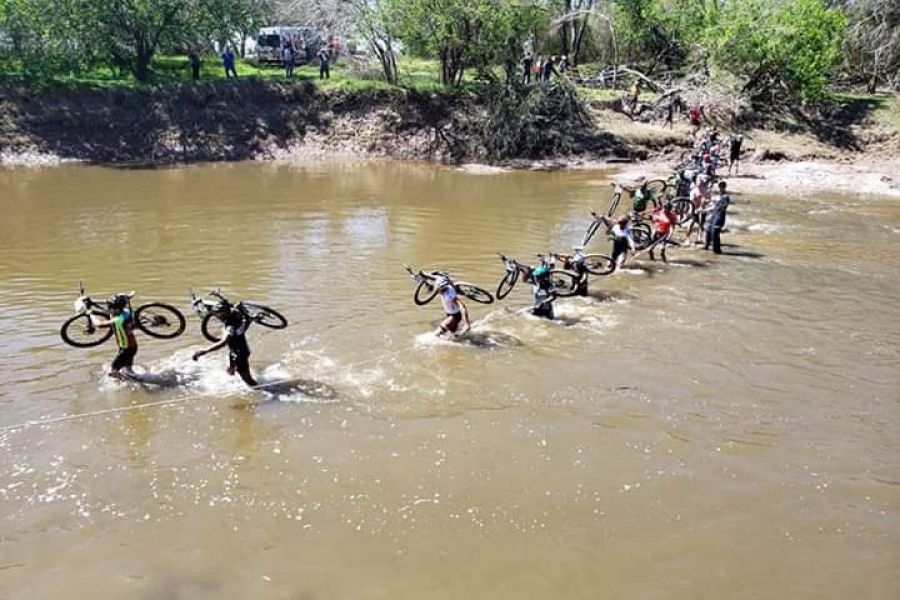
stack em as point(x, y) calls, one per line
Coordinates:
point(540, 271)
point(117, 301)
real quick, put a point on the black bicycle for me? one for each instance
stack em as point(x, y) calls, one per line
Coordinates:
point(214, 313)
point(426, 289)
point(156, 319)
point(563, 283)
point(641, 232)
point(579, 262)
point(655, 187)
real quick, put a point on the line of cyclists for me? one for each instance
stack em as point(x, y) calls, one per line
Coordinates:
point(693, 199)
point(658, 208)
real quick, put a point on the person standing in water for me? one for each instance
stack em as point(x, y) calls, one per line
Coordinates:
point(715, 222)
point(234, 336)
point(454, 308)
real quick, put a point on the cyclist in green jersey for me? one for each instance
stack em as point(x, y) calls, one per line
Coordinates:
point(122, 323)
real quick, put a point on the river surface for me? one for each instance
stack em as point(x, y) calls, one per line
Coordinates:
point(719, 427)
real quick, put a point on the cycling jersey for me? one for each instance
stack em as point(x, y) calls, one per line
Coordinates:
point(450, 300)
point(123, 326)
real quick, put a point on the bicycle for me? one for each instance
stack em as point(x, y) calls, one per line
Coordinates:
point(580, 263)
point(641, 232)
point(156, 319)
point(426, 291)
point(563, 283)
point(252, 311)
point(656, 187)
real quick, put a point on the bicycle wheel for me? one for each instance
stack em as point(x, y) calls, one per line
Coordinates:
point(684, 210)
point(211, 327)
point(657, 189)
point(507, 284)
point(424, 293)
point(79, 332)
point(641, 235)
point(474, 293)
point(565, 283)
point(591, 232)
point(614, 204)
point(159, 320)
point(599, 264)
point(265, 316)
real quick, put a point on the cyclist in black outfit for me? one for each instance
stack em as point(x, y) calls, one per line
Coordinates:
point(235, 338)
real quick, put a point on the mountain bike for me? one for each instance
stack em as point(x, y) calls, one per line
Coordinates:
point(579, 262)
point(156, 319)
point(426, 290)
point(641, 232)
point(213, 314)
point(656, 187)
point(563, 283)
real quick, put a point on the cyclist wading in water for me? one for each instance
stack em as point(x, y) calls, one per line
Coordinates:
point(122, 323)
point(543, 292)
point(454, 308)
point(234, 336)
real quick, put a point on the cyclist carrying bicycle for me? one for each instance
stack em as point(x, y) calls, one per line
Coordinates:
point(234, 336)
point(542, 290)
point(454, 308)
point(122, 323)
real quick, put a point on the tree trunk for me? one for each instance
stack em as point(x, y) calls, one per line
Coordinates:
point(143, 56)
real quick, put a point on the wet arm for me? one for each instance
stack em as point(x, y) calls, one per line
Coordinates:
point(221, 343)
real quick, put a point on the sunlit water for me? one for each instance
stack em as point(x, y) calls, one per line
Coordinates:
point(719, 427)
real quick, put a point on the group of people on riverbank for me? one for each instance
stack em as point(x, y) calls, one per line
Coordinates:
point(543, 68)
point(291, 54)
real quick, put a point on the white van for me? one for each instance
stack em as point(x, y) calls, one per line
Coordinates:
point(271, 40)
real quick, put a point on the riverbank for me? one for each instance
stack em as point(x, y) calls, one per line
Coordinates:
point(854, 149)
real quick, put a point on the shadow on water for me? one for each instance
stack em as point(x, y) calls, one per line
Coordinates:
point(164, 380)
point(610, 296)
point(308, 388)
point(490, 339)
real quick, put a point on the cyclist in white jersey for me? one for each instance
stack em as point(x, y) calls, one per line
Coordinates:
point(454, 308)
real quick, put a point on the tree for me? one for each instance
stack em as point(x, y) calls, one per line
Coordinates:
point(373, 21)
point(873, 42)
point(780, 50)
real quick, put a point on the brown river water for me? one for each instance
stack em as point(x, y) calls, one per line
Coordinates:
point(719, 427)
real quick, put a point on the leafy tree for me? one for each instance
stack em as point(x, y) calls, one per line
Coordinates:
point(873, 42)
point(780, 50)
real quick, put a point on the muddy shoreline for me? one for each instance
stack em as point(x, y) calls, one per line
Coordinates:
point(297, 123)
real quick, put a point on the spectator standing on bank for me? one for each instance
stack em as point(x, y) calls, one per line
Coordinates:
point(549, 68)
point(324, 58)
point(287, 53)
point(527, 64)
point(228, 62)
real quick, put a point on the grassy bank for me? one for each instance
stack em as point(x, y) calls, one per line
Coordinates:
point(103, 116)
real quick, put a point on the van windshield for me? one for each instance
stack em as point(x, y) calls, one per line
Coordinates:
point(272, 41)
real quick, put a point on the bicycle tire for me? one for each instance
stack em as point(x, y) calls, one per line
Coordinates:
point(68, 331)
point(599, 264)
point(506, 285)
point(159, 320)
point(683, 209)
point(474, 293)
point(591, 232)
point(614, 204)
point(265, 316)
point(207, 331)
point(419, 298)
point(565, 283)
point(657, 189)
point(641, 235)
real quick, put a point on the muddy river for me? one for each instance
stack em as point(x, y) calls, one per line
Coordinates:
point(718, 427)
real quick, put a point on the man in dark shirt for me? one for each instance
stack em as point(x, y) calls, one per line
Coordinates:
point(715, 222)
point(234, 337)
point(324, 59)
point(527, 64)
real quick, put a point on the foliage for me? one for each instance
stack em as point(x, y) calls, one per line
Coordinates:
point(467, 33)
point(780, 50)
